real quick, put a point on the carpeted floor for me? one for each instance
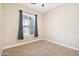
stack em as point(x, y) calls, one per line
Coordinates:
point(40, 48)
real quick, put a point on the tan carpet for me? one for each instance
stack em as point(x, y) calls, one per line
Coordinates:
point(40, 48)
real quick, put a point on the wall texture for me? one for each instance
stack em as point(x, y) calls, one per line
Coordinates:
point(11, 19)
point(0, 28)
point(62, 25)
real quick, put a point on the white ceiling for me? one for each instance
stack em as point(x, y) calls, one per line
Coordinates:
point(41, 9)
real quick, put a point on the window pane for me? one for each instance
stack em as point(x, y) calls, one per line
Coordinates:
point(28, 25)
point(32, 28)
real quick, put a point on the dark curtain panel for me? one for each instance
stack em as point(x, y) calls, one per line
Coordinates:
point(20, 33)
point(36, 27)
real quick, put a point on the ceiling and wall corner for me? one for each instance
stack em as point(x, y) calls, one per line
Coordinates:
point(38, 6)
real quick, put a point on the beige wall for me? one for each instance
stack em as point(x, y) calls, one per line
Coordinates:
point(62, 25)
point(0, 28)
point(11, 19)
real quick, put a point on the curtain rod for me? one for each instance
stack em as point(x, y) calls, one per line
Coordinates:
point(29, 13)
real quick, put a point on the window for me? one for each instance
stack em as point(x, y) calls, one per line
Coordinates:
point(28, 25)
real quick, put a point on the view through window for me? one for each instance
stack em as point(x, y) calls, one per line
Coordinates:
point(28, 25)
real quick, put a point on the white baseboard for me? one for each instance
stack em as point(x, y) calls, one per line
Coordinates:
point(67, 46)
point(20, 44)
